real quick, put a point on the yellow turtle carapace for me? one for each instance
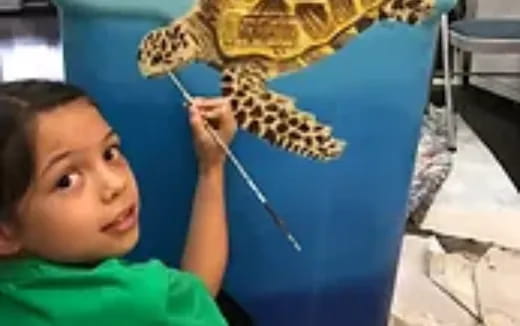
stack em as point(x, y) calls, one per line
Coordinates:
point(253, 41)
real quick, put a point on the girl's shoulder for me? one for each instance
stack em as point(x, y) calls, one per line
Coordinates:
point(109, 288)
point(113, 269)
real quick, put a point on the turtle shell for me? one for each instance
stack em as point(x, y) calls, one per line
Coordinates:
point(290, 30)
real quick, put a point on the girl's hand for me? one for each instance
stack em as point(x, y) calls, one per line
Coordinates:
point(217, 113)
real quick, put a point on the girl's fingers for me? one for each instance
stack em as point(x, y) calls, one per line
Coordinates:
point(212, 117)
point(216, 112)
point(210, 102)
point(209, 105)
point(196, 122)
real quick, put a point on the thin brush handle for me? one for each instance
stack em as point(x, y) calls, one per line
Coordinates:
point(240, 168)
point(247, 178)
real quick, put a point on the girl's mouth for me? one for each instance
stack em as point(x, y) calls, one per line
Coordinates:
point(125, 221)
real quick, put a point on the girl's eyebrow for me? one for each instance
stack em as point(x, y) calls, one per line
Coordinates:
point(54, 160)
point(63, 155)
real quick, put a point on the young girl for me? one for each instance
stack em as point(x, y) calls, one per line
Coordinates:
point(69, 208)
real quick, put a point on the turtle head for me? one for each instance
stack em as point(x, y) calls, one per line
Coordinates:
point(166, 49)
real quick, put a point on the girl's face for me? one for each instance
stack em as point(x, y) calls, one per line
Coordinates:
point(83, 202)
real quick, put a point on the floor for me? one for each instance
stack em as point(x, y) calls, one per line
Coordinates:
point(440, 287)
point(463, 257)
point(476, 193)
point(495, 120)
point(445, 257)
point(485, 178)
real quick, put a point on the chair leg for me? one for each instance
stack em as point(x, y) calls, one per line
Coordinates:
point(458, 66)
point(450, 116)
point(467, 59)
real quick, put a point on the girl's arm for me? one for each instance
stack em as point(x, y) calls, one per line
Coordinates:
point(206, 251)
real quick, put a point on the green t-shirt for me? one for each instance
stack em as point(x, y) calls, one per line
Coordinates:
point(37, 293)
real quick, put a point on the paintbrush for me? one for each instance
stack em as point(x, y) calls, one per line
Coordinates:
point(240, 168)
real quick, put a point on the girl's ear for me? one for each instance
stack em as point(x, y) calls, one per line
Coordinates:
point(10, 244)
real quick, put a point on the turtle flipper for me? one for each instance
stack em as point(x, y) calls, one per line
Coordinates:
point(166, 49)
point(408, 11)
point(274, 117)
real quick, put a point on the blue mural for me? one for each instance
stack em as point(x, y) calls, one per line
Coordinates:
point(349, 214)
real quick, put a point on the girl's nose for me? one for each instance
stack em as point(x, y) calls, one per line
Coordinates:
point(114, 182)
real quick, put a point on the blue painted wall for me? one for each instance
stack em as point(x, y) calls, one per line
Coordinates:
point(348, 214)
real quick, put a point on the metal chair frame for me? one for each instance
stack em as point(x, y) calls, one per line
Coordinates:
point(462, 46)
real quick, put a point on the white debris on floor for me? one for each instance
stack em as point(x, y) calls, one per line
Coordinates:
point(498, 287)
point(454, 273)
point(435, 288)
point(417, 320)
point(416, 296)
point(475, 195)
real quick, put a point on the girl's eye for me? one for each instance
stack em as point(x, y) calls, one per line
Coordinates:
point(67, 181)
point(112, 153)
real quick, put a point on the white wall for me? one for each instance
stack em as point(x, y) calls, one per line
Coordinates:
point(509, 87)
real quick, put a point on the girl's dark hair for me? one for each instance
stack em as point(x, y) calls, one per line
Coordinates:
point(20, 103)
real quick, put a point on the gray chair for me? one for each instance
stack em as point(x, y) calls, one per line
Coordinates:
point(473, 35)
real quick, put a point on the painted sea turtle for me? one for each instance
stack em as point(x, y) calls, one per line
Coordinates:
point(253, 41)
